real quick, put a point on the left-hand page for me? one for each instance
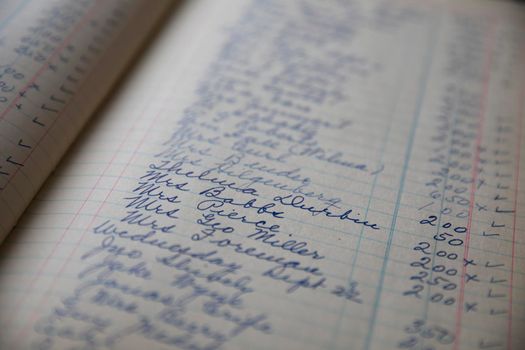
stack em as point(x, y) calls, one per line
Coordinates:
point(58, 61)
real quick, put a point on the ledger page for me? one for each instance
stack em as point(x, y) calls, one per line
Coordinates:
point(58, 60)
point(290, 175)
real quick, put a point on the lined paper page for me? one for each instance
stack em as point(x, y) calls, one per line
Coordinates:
point(290, 175)
point(58, 60)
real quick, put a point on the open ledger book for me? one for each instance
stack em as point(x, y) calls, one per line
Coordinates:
point(265, 174)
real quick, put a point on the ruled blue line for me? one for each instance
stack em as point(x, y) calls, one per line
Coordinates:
point(422, 88)
point(17, 10)
point(394, 103)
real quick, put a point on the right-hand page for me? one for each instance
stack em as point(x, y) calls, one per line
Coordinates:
point(291, 175)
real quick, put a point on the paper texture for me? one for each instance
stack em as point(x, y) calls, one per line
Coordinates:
point(58, 61)
point(290, 175)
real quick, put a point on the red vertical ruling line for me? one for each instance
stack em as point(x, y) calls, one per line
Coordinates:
point(79, 26)
point(53, 56)
point(66, 41)
point(51, 126)
point(62, 236)
point(81, 23)
point(60, 240)
point(521, 113)
point(474, 177)
point(34, 315)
